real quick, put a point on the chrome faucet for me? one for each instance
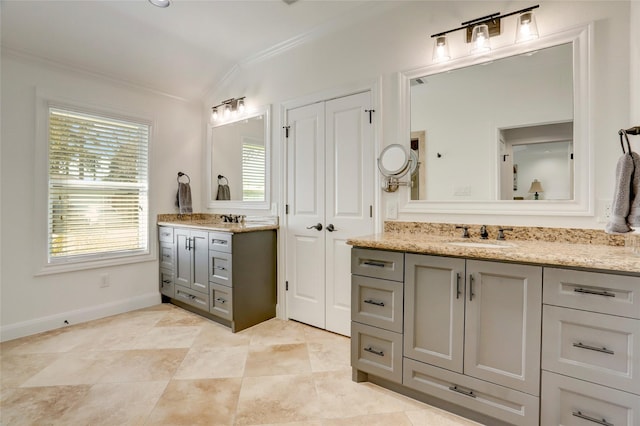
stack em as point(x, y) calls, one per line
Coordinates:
point(501, 233)
point(483, 232)
point(465, 231)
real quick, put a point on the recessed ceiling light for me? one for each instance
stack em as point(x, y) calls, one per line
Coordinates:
point(160, 3)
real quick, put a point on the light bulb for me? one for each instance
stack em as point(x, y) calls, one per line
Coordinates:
point(227, 110)
point(240, 106)
point(480, 39)
point(214, 114)
point(526, 28)
point(441, 49)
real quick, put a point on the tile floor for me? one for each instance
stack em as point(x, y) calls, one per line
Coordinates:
point(166, 366)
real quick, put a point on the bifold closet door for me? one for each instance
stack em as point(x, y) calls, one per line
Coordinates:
point(330, 182)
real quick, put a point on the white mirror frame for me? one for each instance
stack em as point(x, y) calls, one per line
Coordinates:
point(239, 204)
point(583, 202)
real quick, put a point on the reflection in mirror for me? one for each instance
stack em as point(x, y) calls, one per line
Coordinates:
point(239, 161)
point(473, 127)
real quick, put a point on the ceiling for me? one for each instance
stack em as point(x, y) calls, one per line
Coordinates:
point(184, 50)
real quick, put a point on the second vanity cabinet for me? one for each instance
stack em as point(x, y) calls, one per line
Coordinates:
point(229, 277)
point(472, 334)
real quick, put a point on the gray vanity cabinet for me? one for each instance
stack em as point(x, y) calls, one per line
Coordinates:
point(167, 260)
point(192, 259)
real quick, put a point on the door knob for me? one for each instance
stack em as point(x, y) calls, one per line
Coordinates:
point(318, 227)
point(330, 228)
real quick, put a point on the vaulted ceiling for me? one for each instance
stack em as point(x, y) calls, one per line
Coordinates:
point(184, 50)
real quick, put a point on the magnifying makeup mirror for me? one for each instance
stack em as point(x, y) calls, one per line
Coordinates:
point(394, 162)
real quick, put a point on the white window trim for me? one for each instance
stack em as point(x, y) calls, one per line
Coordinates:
point(44, 100)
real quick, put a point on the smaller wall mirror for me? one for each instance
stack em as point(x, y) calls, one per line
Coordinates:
point(394, 162)
point(239, 159)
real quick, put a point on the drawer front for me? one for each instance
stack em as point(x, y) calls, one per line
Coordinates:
point(220, 241)
point(496, 401)
point(165, 234)
point(221, 301)
point(377, 302)
point(167, 255)
point(592, 291)
point(570, 402)
point(193, 298)
point(376, 351)
point(220, 267)
point(387, 265)
point(598, 348)
point(167, 286)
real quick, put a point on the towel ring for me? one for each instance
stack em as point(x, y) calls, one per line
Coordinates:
point(623, 132)
point(180, 174)
point(226, 181)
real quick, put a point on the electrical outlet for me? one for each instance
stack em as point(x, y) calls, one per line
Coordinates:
point(604, 210)
point(104, 281)
point(392, 210)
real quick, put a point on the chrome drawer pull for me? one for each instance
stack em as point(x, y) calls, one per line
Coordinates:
point(373, 351)
point(166, 281)
point(597, 293)
point(593, 348)
point(221, 268)
point(458, 292)
point(602, 422)
point(221, 300)
point(372, 263)
point(166, 255)
point(462, 391)
point(374, 302)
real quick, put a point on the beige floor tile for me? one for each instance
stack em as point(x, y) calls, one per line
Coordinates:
point(214, 335)
point(276, 332)
point(197, 402)
point(277, 399)
point(75, 368)
point(277, 360)
point(330, 354)
point(168, 337)
point(381, 419)
point(181, 318)
point(115, 404)
point(213, 363)
point(145, 365)
point(435, 417)
point(18, 368)
point(61, 340)
point(340, 397)
point(39, 406)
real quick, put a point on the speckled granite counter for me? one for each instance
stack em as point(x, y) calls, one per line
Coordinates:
point(590, 249)
point(212, 222)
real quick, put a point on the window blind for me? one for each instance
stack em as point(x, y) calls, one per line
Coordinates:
point(253, 172)
point(98, 186)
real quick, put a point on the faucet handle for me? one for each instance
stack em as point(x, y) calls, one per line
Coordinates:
point(465, 231)
point(483, 232)
point(501, 232)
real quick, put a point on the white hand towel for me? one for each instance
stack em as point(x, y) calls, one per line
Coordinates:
point(625, 195)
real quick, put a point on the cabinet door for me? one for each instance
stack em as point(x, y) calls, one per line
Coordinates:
point(183, 268)
point(434, 310)
point(200, 253)
point(503, 324)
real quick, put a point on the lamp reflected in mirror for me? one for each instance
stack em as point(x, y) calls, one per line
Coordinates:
point(535, 189)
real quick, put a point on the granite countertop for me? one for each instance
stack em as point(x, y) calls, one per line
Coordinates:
point(213, 222)
point(567, 253)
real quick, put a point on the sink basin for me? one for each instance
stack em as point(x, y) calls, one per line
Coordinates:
point(477, 244)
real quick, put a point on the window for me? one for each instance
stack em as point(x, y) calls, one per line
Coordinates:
point(97, 186)
point(253, 171)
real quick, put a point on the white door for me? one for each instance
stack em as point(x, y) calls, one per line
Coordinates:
point(330, 182)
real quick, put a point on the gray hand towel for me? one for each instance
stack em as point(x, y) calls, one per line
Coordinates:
point(184, 198)
point(224, 193)
point(625, 196)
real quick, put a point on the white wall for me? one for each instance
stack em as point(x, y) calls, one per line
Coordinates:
point(32, 303)
point(390, 38)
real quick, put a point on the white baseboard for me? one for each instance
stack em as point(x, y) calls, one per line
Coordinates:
point(38, 325)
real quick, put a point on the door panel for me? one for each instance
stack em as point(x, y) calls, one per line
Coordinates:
point(305, 196)
point(200, 248)
point(183, 258)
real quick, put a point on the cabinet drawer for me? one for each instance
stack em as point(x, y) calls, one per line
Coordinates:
point(377, 302)
point(221, 301)
point(193, 298)
point(220, 267)
point(570, 402)
point(387, 265)
point(496, 401)
point(376, 351)
point(598, 348)
point(167, 255)
point(165, 234)
point(166, 283)
point(593, 291)
point(220, 241)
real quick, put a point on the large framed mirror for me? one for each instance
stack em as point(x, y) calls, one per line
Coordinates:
point(503, 133)
point(239, 152)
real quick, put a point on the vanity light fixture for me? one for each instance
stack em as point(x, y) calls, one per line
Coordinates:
point(160, 3)
point(479, 31)
point(231, 106)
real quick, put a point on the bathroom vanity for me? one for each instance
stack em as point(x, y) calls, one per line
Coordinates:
point(505, 332)
point(223, 271)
